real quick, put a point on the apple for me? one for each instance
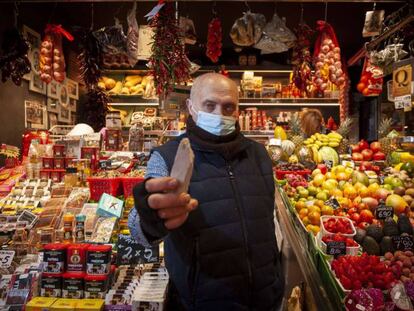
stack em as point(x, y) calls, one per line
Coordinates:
point(355, 148)
point(367, 165)
point(363, 225)
point(366, 216)
point(381, 194)
point(363, 144)
point(367, 154)
point(379, 156)
point(355, 217)
point(357, 156)
point(322, 168)
point(375, 146)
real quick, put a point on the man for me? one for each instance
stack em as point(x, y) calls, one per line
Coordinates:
point(220, 245)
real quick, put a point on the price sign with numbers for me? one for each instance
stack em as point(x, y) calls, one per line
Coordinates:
point(332, 202)
point(6, 258)
point(383, 211)
point(328, 164)
point(131, 252)
point(105, 164)
point(336, 248)
point(403, 243)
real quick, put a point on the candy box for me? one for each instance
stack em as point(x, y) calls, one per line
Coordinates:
point(90, 305)
point(59, 150)
point(59, 163)
point(40, 304)
point(110, 206)
point(65, 305)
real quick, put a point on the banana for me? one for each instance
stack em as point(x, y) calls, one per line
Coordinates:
point(335, 135)
point(117, 89)
point(133, 78)
point(333, 144)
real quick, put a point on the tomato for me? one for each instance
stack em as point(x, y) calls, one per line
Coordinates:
point(355, 217)
point(366, 216)
point(363, 144)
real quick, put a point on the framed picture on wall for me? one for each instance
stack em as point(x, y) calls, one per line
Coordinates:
point(53, 119)
point(72, 104)
point(53, 105)
point(36, 84)
point(73, 88)
point(53, 89)
point(35, 114)
point(34, 40)
point(63, 95)
point(64, 114)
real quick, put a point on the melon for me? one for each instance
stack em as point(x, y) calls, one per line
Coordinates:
point(288, 147)
point(329, 154)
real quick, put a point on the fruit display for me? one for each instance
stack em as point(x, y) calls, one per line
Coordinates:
point(334, 225)
point(340, 238)
point(130, 85)
point(367, 152)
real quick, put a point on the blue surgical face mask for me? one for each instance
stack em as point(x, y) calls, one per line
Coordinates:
point(215, 124)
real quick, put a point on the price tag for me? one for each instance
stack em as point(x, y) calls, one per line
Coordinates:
point(336, 248)
point(328, 164)
point(347, 163)
point(381, 179)
point(403, 243)
point(333, 202)
point(383, 211)
point(6, 258)
point(105, 164)
point(131, 252)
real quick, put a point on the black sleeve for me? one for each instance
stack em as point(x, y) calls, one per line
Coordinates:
point(152, 226)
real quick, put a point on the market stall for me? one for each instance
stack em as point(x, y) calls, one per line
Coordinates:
point(85, 100)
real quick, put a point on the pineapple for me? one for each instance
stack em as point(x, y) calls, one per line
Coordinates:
point(344, 130)
point(295, 134)
point(387, 143)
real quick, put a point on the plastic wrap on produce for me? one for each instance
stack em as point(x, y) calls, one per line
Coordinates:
point(277, 30)
point(132, 36)
point(247, 30)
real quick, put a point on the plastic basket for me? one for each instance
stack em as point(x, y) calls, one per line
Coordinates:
point(128, 184)
point(280, 174)
point(350, 250)
point(325, 232)
point(99, 186)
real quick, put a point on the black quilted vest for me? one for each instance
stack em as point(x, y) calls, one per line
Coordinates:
point(225, 256)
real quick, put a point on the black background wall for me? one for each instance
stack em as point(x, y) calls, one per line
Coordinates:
point(346, 18)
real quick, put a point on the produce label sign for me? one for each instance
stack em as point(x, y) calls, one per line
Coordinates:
point(332, 202)
point(403, 243)
point(401, 81)
point(328, 164)
point(131, 252)
point(6, 258)
point(383, 211)
point(336, 248)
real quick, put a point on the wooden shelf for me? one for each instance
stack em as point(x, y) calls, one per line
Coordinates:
point(286, 102)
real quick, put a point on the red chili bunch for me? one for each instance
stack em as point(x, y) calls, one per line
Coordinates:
point(169, 64)
point(214, 38)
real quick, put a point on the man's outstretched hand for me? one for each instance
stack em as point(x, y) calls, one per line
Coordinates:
point(171, 207)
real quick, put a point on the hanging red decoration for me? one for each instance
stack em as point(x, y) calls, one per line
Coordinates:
point(214, 38)
point(168, 62)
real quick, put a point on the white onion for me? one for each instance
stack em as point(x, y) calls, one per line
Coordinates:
point(327, 41)
point(330, 54)
point(332, 68)
point(321, 57)
point(319, 65)
point(337, 50)
point(325, 48)
point(339, 72)
point(338, 64)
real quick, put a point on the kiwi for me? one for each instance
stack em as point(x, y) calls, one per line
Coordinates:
point(399, 190)
point(410, 192)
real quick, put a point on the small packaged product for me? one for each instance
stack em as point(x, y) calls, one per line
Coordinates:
point(96, 286)
point(76, 257)
point(73, 285)
point(51, 285)
point(98, 259)
point(54, 258)
point(103, 230)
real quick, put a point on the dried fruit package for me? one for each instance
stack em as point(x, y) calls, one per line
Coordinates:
point(327, 58)
point(214, 37)
point(188, 30)
point(247, 30)
point(52, 60)
point(370, 83)
point(132, 36)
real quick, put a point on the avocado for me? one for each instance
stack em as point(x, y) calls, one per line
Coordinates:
point(390, 227)
point(387, 245)
point(360, 235)
point(404, 224)
point(370, 246)
point(375, 231)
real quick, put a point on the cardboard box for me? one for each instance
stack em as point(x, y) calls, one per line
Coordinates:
point(110, 206)
point(40, 304)
point(90, 305)
point(65, 305)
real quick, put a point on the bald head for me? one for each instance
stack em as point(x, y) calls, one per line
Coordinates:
point(213, 93)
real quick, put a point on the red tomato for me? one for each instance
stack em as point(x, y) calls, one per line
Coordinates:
point(367, 154)
point(355, 217)
point(366, 216)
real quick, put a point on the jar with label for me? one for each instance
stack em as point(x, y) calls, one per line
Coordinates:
point(275, 150)
point(80, 228)
point(136, 137)
point(71, 177)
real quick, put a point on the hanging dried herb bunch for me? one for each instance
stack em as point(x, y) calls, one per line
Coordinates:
point(168, 62)
point(94, 110)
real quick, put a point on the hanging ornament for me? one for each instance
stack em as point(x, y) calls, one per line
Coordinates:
point(214, 37)
point(168, 62)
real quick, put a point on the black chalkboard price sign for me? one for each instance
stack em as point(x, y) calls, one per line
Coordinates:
point(383, 211)
point(336, 248)
point(328, 164)
point(332, 202)
point(131, 252)
point(403, 243)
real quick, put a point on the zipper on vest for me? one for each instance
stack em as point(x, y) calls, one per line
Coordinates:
point(244, 228)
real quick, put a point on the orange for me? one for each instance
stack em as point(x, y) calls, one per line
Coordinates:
point(303, 213)
point(350, 192)
point(300, 205)
point(342, 176)
point(327, 210)
point(330, 175)
point(337, 193)
point(314, 218)
point(305, 221)
point(318, 179)
point(364, 192)
point(319, 203)
point(314, 208)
